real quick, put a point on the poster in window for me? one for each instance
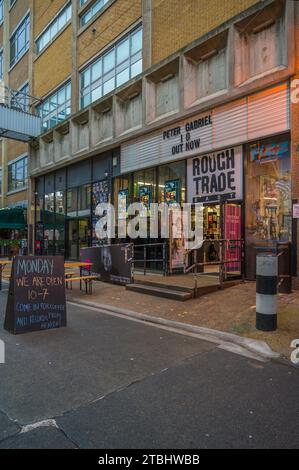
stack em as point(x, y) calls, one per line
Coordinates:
point(100, 195)
point(177, 241)
point(172, 192)
point(145, 197)
point(267, 152)
point(123, 197)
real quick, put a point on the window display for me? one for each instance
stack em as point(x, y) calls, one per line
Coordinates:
point(268, 193)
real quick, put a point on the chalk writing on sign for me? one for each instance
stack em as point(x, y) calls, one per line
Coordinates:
point(36, 298)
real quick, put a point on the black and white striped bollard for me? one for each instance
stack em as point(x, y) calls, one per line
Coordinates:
point(266, 291)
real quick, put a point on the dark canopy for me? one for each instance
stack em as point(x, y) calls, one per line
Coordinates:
point(12, 218)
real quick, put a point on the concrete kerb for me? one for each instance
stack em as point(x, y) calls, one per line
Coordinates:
point(260, 348)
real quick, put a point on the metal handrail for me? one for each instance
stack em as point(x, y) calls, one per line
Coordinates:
point(222, 262)
point(147, 260)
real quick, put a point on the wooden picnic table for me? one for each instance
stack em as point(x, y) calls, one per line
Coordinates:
point(77, 264)
point(67, 264)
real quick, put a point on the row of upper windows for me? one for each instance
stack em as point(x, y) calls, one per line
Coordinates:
point(19, 42)
point(113, 68)
point(11, 3)
point(17, 175)
point(54, 27)
point(62, 18)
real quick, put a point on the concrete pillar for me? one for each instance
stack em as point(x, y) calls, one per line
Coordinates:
point(74, 75)
point(147, 33)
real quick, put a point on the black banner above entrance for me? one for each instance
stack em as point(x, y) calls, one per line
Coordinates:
point(216, 175)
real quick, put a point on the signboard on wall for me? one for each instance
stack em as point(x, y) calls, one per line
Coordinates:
point(111, 263)
point(216, 175)
point(36, 297)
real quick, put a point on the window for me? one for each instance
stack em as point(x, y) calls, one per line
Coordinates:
point(172, 179)
point(19, 41)
point(56, 107)
point(92, 11)
point(72, 202)
point(268, 193)
point(21, 99)
point(17, 174)
point(84, 199)
point(1, 64)
point(1, 11)
point(121, 63)
point(82, 2)
point(57, 24)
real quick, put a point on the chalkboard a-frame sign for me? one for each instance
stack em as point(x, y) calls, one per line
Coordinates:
point(36, 297)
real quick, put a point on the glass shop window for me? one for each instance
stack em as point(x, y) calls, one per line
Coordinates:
point(84, 200)
point(72, 202)
point(145, 186)
point(172, 183)
point(59, 202)
point(268, 193)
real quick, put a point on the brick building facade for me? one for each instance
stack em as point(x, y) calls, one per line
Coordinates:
point(113, 76)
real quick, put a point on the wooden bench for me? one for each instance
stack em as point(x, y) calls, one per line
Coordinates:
point(88, 282)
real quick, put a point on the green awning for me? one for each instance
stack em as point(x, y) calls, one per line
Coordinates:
point(13, 219)
point(52, 220)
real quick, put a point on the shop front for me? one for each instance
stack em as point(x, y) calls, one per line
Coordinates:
point(65, 205)
point(235, 160)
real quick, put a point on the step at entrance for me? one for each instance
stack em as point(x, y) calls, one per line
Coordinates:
point(162, 291)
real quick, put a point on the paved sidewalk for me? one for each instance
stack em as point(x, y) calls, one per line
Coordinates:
point(231, 310)
point(106, 382)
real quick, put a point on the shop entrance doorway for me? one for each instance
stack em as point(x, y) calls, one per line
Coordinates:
point(78, 231)
point(222, 238)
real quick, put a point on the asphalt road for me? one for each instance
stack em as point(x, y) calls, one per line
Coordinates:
point(107, 382)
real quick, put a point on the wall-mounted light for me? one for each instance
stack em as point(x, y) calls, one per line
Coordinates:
point(106, 174)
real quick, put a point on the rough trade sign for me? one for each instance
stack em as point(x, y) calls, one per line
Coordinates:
point(214, 175)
